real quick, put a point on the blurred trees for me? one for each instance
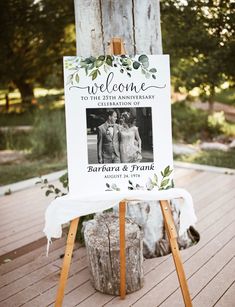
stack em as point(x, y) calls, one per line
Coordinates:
point(199, 36)
point(34, 36)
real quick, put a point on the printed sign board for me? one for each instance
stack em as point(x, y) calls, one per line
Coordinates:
point(118, 121)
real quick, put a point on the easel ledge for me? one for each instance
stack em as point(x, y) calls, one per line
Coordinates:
point(116, 48)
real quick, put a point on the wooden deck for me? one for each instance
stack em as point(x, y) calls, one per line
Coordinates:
point(31, 279)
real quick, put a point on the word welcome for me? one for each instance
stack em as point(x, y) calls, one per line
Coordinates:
point(109, 86)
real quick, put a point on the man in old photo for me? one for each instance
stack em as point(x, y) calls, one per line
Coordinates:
point(108, 140)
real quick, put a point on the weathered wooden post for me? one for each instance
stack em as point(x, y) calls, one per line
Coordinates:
point(137, 22)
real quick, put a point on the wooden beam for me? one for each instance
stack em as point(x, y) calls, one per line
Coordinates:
point(122, 213)
point(172, 235)
point(67, 261)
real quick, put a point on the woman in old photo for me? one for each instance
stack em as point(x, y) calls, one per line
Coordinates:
point(130, 141)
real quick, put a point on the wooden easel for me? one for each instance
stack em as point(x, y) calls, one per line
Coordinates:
point(117, 48)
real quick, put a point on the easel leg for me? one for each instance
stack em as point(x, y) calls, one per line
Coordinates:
point(172, 235)
point(122, 212)
point(67, 262)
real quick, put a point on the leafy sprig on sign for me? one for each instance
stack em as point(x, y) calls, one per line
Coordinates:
point(112, 187)
point(51, 189)
point(165, 183)
point(93, 66)
point(133, 186)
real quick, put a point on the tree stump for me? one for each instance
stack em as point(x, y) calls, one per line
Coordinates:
point(102, 245)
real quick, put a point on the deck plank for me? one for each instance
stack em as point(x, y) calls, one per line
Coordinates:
point(212, 292)
point(228, 297)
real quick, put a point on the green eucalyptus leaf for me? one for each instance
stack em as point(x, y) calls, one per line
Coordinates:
point(143, 58)
point(146, 65)
point(136, 65)
point(94, 75)
point(128, 61)
point(90, 60)
point(77, 78)
point(87, 61)
point(166, 170)
point(98, 63)
point(101, 58)
point(109, 60)
point(48, 192)
point(91, 66)
point(147, 75)
point(165, 182)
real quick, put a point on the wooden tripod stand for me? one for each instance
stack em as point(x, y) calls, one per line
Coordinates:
point(117, 48)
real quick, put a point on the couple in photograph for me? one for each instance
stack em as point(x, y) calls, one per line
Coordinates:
point(118, 143)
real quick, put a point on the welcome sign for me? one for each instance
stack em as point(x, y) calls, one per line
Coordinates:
point(118, 121)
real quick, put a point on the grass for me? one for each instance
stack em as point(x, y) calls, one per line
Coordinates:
point(226, 96)
point(16, 119)
point(210, 157)
point(11, 173)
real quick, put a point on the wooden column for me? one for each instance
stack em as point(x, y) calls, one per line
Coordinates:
point(136, 21)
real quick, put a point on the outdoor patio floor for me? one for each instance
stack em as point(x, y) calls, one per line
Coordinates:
point(31, 278)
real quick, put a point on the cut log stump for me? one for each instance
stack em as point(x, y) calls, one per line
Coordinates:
point(103, 252)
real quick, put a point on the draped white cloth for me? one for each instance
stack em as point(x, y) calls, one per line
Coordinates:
point(66, 208)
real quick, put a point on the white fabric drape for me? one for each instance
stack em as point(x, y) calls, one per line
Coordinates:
point(66, 208)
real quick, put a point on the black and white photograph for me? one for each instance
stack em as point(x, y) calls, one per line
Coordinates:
point(119, 135)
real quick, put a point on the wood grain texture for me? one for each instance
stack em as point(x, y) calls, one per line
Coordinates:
point(89, 37)
point(172, 236)
point(67, 261)
point(117, 21)
point(103, 251)
point(147, 27)
point(122, 242)
point(136, 21)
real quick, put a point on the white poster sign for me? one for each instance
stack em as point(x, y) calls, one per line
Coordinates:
point(118, 121)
